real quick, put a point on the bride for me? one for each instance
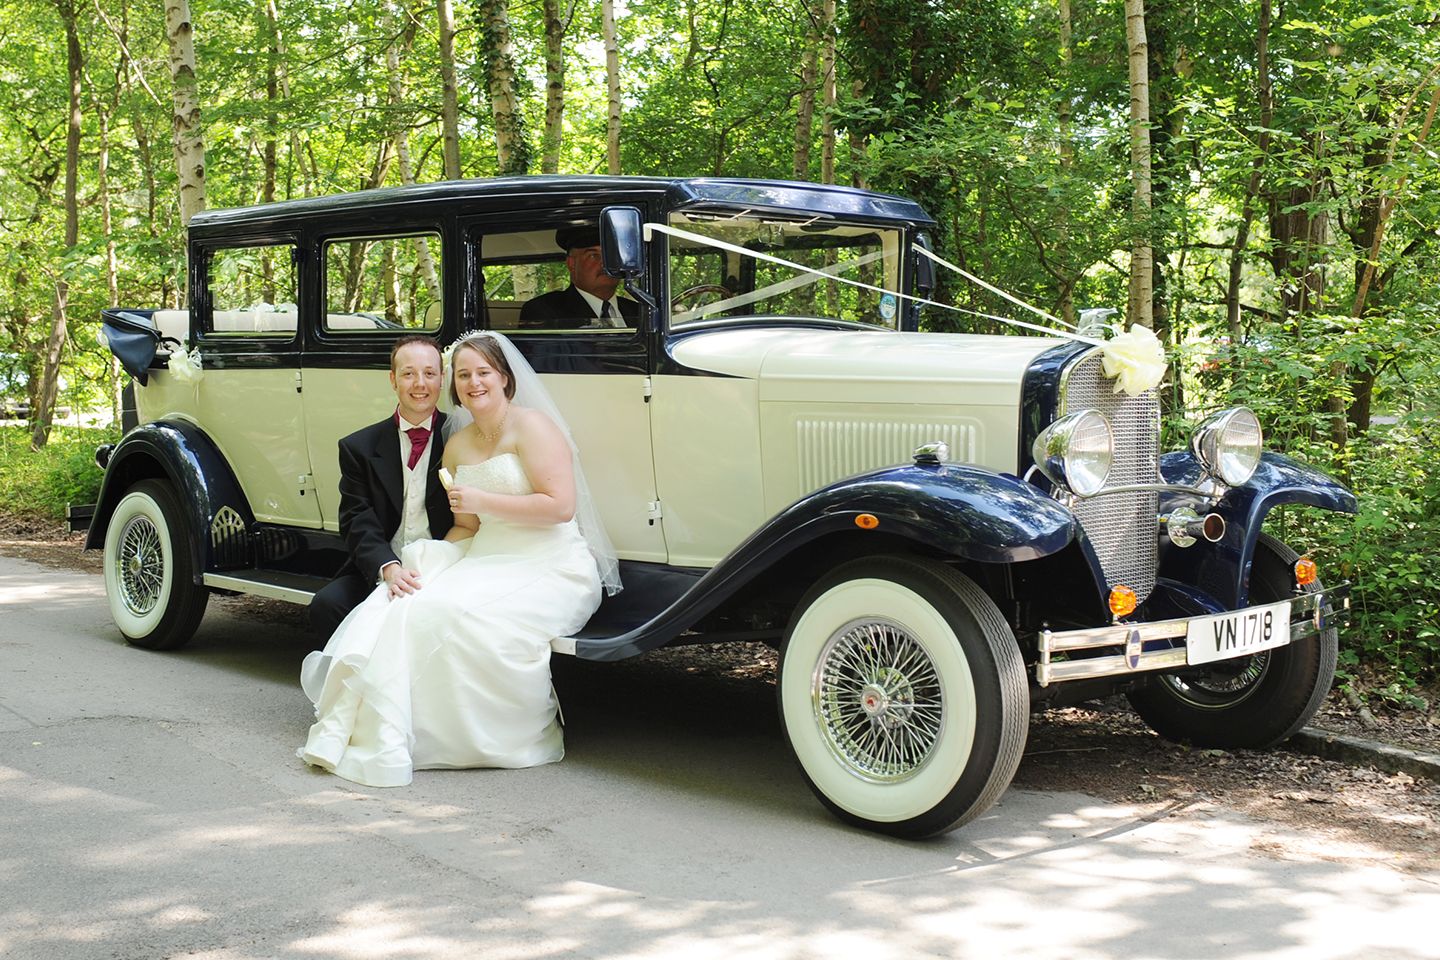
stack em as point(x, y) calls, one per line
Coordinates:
point(457, 674)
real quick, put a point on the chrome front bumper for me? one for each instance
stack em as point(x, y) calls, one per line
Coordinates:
point(1138, 647)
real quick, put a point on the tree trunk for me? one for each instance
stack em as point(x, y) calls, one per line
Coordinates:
point(1266, 92)
point(189, 145)
point(449, 105)
point(612, 84)
point(1067, 160)
point(1141, 265)
point(554, 88)
point(827, 91)
point(805, 108)
point(512, 151)
point(49, 386)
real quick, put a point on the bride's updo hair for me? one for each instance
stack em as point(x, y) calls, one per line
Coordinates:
point(489, 348)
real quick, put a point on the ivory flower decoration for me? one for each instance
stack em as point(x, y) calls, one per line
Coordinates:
point(185, 366)
point(1135, 359)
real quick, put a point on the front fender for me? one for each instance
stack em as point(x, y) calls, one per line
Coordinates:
point(961, 511)
point(1222, 569)
point(182, 454)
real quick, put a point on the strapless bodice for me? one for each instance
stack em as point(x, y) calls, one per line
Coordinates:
point(500, 474)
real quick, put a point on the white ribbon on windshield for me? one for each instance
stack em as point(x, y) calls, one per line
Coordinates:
point(991, 287)
point(1135, 358)
point(774, 289)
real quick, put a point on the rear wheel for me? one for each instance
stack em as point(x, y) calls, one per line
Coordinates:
point(903, 695)
point(149, 572)
point(1249, 702)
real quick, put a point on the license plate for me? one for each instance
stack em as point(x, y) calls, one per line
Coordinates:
point(1237, 634)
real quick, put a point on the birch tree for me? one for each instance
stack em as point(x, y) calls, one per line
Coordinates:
point(512, 150)
point(1141, 264)
point(449, 101)
point(189, 144)
point(612, 86)
point(49, 385)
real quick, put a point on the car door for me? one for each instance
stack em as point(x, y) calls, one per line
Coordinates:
point(248, 401)
point(599, 377)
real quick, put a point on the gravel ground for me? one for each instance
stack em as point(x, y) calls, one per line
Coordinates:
point(1102, 748)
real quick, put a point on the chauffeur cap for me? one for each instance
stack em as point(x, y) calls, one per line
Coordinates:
point(585, 235)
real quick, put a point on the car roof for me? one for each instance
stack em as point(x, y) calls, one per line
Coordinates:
point(791, 197)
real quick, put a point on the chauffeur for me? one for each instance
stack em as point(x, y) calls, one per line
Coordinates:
point(590, 300)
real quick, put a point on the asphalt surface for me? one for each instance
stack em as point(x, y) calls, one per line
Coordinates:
point(151, 807)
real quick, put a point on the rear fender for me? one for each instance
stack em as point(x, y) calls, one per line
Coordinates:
point(1222, 570)
point(183, 455)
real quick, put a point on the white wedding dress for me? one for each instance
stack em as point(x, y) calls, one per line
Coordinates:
point(458, 673)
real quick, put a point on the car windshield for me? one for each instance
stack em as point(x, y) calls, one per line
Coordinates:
point(709, 281)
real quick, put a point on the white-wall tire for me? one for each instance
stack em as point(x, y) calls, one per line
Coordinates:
point(149, 572)
point(903, 696)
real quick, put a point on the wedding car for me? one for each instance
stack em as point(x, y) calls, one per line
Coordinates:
point(939, 532)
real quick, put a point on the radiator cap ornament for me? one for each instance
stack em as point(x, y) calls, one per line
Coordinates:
point(932, 454)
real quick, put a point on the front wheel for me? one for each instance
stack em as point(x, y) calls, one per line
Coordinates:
point(1249, 702)
point(903, 695)
point(149, 572)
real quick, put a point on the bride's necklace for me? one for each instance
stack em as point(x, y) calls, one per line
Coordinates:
point(492, 437)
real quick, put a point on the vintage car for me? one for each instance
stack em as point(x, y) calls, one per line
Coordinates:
point(939, 532)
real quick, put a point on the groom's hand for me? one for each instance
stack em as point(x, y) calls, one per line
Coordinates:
point(400, 581)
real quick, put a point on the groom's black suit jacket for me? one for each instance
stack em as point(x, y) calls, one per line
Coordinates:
point(372, 492)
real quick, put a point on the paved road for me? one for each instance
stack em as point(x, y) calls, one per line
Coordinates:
point(151, 807)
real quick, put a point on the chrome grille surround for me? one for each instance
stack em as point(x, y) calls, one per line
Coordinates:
point(1121, 527)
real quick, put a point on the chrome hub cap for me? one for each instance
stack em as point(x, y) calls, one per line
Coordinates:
point(141, 566)
point(877, 700)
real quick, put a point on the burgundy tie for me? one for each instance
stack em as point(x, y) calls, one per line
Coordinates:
point(419, 436)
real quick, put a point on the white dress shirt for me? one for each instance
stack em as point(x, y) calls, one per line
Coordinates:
point(414, 522)
point(615, 320)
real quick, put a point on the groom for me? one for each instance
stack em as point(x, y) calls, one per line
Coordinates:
point(390, 492)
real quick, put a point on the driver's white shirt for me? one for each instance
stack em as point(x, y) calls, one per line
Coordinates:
point(616, 320)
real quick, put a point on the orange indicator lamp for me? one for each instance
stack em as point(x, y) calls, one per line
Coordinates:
point(1122, 601)
point(867, 521)
point(1305, 571)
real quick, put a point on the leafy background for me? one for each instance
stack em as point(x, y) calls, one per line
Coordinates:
point(1018, 145)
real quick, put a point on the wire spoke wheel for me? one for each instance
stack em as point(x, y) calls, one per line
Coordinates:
point(902, 694)
point(150, 577)
point(142, 566)
point(878, 700)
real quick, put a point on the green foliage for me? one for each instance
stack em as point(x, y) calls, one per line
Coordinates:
point(43, 482)
point(1018, 149)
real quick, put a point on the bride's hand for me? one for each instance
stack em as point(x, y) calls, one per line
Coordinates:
point(467, 499)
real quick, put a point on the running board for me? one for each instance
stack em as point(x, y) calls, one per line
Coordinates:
point(274, 584)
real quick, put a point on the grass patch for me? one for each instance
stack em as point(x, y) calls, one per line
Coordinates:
point(41, 482)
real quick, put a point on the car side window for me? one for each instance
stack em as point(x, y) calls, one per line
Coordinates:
point(527, 286)
point(253, 291)
point(384, 283)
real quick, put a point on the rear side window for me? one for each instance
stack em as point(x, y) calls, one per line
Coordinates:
point(383, 283)
point(253, 291)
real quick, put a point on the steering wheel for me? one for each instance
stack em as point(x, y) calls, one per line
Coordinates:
point(679, 299)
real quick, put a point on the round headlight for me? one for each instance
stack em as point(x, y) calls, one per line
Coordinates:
point(1228, 445)
point(1075, 452)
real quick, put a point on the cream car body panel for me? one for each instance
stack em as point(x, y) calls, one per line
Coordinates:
point(337, 403)
point(707, 465)
point(254, 417)
point(827, 405)
point(610, 422)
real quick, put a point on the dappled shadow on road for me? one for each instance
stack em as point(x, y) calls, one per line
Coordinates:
point(676, 825)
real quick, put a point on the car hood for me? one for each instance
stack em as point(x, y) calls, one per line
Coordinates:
point(875, 366)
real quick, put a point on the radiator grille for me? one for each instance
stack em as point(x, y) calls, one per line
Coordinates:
point(832, 448)
point(1121, 527)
